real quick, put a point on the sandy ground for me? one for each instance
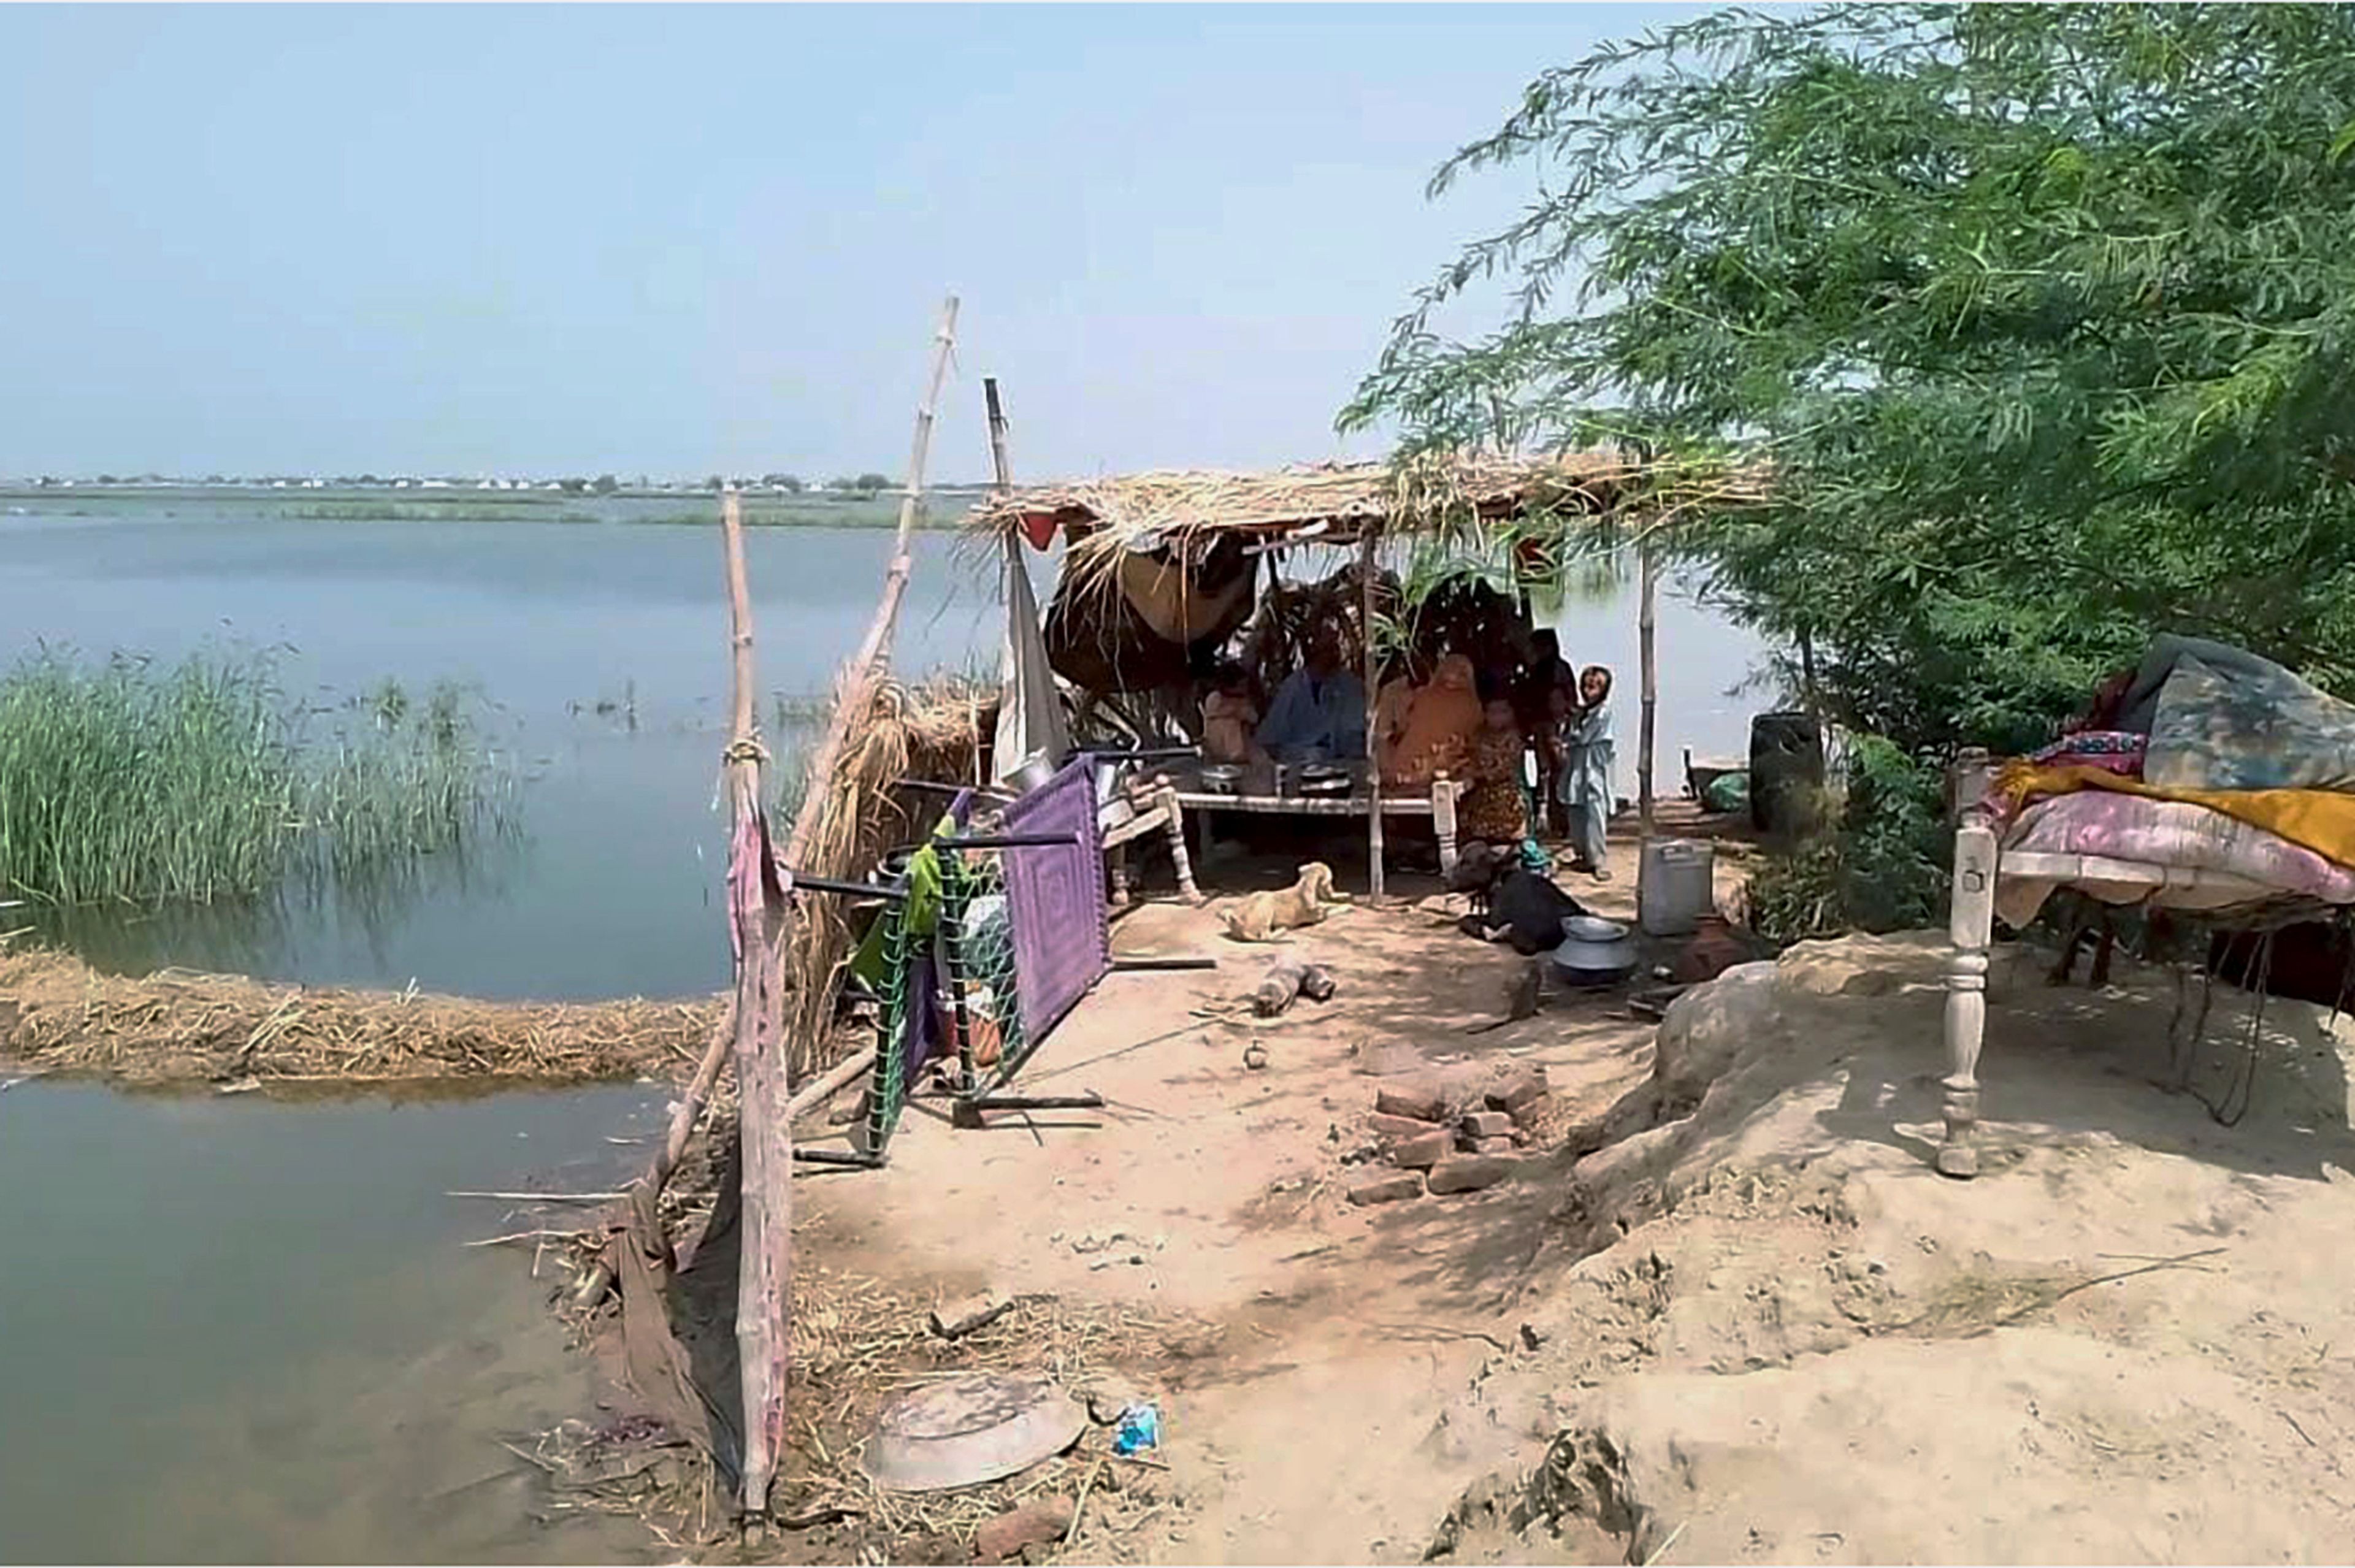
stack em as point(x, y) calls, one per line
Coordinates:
point(1762, 1331)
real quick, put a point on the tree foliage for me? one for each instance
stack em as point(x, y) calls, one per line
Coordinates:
point(2040, 315)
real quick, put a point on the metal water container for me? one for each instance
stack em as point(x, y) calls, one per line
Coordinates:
point(1676, 886)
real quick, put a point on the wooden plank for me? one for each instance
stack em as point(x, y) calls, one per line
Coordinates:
point(1292, 805)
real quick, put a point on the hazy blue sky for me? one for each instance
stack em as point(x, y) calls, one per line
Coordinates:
point(682, 240)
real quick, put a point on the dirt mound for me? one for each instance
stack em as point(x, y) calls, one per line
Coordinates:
point(1792, 1340)
point(58, 1014)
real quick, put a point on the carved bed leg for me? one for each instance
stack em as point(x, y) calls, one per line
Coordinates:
point(1178, 858)
point(1442, 820)
point(1971, 927)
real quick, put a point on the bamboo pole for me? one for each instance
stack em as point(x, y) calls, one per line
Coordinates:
point(758, 918)
point(859, 683)
point(1374, 870)
point(1645, 615)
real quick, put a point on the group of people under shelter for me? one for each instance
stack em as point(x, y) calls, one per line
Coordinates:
point(1535, 730)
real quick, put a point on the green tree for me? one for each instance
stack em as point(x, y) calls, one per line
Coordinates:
point(2040, 314)
point(843, 485)
point(873, 482)
point(786, 482)
point(605, 484)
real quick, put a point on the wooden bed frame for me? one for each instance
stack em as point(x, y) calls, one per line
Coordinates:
point(1978, 861)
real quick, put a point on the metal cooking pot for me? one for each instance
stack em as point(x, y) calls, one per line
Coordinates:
point(1035, 771)
point(1595, 952)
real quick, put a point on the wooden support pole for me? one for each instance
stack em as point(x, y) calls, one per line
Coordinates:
point(1000, 470)
point(859, 678)
point(1647, 728)
point(1366, 564)
point(757, 920)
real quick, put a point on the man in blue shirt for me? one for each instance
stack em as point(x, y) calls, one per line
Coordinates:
point(1318, 714)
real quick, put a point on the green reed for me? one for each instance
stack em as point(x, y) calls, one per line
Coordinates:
point(129, 780)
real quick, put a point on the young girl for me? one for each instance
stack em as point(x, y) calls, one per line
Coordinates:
point(1495, 809)
point(1582, 779)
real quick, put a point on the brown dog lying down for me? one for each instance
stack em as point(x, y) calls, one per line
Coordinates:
point(1257, 917)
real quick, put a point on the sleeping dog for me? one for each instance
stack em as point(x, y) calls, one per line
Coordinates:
point(1510, 903)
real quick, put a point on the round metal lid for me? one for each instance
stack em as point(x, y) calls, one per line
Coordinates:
point(1592, 928)
point(971, 1429)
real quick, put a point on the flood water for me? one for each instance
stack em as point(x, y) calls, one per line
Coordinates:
point(233, 1329)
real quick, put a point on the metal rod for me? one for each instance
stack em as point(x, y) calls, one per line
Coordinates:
point(840, 1156)
point(1012, 841)
point(846, 889)
point(1146, 963)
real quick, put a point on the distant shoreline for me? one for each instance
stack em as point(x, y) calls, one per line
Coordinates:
point(385, 504)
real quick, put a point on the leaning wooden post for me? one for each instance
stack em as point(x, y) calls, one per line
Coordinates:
point(1366, 564)
point(1971, 928)
point(859, 679)
point(756, 911)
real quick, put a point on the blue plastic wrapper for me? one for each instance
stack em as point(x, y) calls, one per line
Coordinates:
point(1140, 1428)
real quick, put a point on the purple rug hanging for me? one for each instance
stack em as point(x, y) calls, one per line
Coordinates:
point(1055, 900)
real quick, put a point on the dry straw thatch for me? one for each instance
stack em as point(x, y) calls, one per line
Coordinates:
point(934, 731)
point(1341, 501)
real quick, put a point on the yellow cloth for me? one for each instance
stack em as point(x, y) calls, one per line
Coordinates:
point(2323, 820)
point(1436, 728)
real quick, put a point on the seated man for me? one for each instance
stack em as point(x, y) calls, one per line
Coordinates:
point(1318, 714)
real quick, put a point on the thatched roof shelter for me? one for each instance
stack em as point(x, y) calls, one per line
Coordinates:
point(1330, 502)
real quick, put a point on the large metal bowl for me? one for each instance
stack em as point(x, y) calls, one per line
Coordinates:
point(1221, 778)
point(1595, 952)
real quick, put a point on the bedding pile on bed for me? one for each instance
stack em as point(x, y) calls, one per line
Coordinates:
point(2206, 758)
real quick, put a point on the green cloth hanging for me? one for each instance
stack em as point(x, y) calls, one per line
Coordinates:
point(923, 909)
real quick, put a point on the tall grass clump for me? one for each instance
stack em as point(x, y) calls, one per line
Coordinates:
point(132, 781)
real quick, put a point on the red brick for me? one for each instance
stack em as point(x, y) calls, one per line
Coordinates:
point(1472, 1174)
point(1036, 1523)
point(1423, 1102)
point(1489, 1146)
point(1517, 1092)
point(1390, 1187)
point(1390, 1128)
point(1489, 1125)
point(1422, 1152)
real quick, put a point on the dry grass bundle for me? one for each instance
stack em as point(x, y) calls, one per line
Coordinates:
point(935, 732)
point(57, 1013)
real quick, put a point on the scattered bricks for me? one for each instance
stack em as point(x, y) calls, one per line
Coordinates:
point(1472, 1175)
point(1517, 1092)
point(1423, 1102)
point(1489, 1125)
point(1389, 1187)
point(1392, 1127)
point(1489, 1146)
point(1039, 1523)
point(1422, 1152)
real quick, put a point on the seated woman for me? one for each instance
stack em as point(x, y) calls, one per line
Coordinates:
point(1229, 717)
point(1435, 730)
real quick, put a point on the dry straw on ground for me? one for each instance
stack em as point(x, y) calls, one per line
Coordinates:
point(60, 1014)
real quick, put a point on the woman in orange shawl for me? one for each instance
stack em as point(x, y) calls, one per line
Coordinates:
point(1431, 728)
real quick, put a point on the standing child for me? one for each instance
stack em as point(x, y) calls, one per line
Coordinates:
point(1582, 781)
point(1495, 809)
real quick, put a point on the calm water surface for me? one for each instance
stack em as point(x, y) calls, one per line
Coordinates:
point(239, 1331)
